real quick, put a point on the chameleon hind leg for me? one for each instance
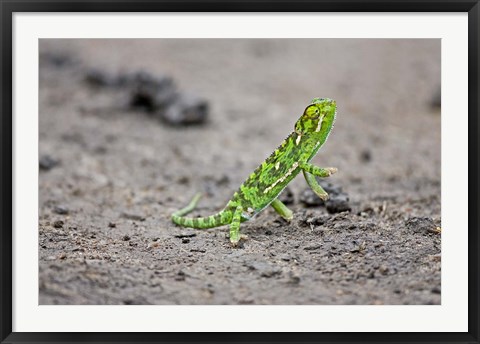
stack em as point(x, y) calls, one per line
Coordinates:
point(282, 209)
point(235, 235)
point(310, 171)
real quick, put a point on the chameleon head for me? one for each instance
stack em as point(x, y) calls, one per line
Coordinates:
point(318, 117)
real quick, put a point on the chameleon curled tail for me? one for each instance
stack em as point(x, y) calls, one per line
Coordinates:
point(263, 186)
point(219, 219)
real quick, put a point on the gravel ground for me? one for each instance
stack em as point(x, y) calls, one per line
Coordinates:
point(130, 130)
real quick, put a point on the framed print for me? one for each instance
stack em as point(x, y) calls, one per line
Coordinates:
point(167, 174)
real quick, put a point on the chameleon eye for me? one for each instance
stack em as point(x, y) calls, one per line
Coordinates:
point(312, 110)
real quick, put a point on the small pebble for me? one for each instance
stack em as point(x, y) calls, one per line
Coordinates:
point(201, 250)
point(153, 244)
point(294, 280)
point(46, 163)
point(180, 276)
point(98, 78)
point(61, 210)
point(58, 224)
point(366, 156)
point(185, 235)
point(436, 101)
point(134, 217)
point(421, 225)
point(383, 269)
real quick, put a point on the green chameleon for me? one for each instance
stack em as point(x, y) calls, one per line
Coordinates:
point(270, 178)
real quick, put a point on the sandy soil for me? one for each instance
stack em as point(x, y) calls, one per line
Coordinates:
point(111, 175)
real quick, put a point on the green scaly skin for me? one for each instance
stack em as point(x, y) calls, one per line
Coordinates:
point(263, 186)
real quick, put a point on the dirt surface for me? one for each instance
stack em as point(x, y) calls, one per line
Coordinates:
point(111, 174)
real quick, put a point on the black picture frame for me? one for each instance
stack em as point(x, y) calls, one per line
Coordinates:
point(8, 8)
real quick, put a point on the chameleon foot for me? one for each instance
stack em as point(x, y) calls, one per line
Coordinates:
point(282, 210)
point(312, 182)
point(323, 196)
point(241, 237)
point(331, 170)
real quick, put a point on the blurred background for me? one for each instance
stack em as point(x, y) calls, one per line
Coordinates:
point(130, 130)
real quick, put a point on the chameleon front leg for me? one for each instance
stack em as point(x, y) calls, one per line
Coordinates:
point(317, 171)
point(310, 171)
point(317, 188)
point(282, 209)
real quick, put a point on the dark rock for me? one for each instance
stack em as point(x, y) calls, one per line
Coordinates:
point(134, 217)
point(287, 197)
point(312, 247)
point(310, 199)
point(185, 110)
point(56, 60)
point(338, 203)
point(366, 156)
point(293, 280)
point(201, 250)
point(185, 235)
point(436, 101)
point(223, 180)
point(150, 93)
point(61, 210)
point(156, 95)
point(317, 220)
point(46, 162)
point(58, 224)
point(329, 187)
point(98, 78)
